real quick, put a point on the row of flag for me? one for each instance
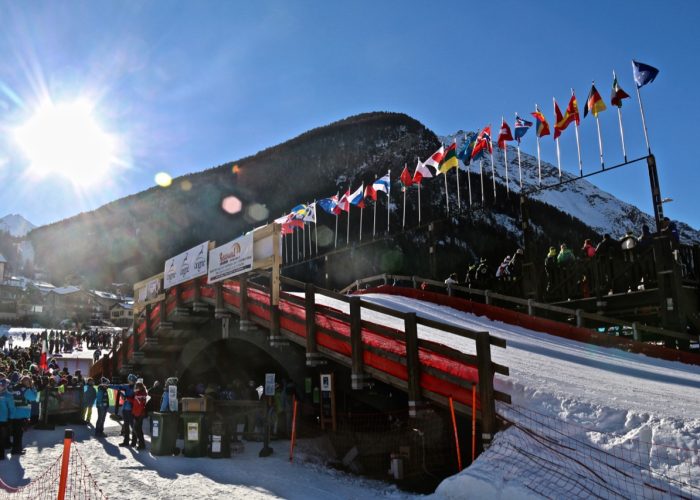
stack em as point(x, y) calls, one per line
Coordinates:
point(476, 146)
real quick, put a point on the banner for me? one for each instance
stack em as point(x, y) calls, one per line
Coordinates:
point(148, 291)
point(186, 266)
point(231, 259)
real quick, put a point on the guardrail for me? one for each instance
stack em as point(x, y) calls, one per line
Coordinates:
point(576, 316)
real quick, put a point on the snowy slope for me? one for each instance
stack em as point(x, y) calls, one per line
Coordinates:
point(597, 208)
point(16, 225)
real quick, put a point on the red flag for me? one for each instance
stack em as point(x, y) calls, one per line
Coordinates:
point(370, 192)
point(43, 363)
point(343, 203)
point(504, 135)
point(406, 178)
point(571, 115)
point(483, 142)
point(558, 121)
point(421, 172)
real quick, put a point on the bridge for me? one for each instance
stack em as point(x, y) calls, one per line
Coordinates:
point(299, 335)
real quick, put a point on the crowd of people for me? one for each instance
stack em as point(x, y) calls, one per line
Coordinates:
point(570, 274)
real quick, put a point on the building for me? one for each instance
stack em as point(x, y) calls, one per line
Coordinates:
point(122, 314)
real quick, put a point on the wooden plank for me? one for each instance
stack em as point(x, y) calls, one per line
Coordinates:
point(243, 283)
point(412, 363)
point(488, 404)
point(356, 344)
point(310, 309)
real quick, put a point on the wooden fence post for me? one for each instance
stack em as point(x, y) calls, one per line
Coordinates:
point(220, 311)
point(488, 403)
point(412, 363)
point(358, 375)
point(312, 355)
point(243, 308)
point(276, 338)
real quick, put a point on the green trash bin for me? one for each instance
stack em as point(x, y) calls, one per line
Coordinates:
point(164, 433)
point(196, 435)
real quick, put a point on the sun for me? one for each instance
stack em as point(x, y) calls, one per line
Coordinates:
point(65, 139)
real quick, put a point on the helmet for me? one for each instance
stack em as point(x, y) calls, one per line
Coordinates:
point(104, 380)
point(170, 381)
point(131, 378)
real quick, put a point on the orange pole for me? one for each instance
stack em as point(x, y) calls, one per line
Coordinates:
point(454, 427)
point(473, 421)
point(67, 440)
point(294, 430)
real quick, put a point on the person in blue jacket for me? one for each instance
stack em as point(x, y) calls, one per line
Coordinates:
point(102, 404)
point(23, 394)
point(128, 391)
point(7, 406)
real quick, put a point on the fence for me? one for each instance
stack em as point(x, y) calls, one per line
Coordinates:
point(580, 318)
point(67, 477)
point(557, 459)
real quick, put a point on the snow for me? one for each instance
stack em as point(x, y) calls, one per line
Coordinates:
point(16, 225)
point(603, 400)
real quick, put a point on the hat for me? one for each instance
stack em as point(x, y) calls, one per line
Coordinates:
point(171, 381)
point(14, 378)
point(3, 383)
point(104, 380)
point(131, 378)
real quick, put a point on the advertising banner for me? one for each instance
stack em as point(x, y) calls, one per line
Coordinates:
point(231, 259)
point(186, 266)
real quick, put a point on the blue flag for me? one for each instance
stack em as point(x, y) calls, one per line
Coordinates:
point(465, 151)
point(643, 73)
point(329, 204)
point(520, 128)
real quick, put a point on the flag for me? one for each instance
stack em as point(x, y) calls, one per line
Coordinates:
point(421, 172)
point(558, 121)
point(344, 203)
point(483, 142)
point(435, 158)
point(43, 363)
point(643, 73)
point(520, 128)
point(310, 215)
point(541, 126)
point(370, 192)
point(572, 111)
point(504, 135)
point(298, 212)
point(406, 179)
point(465, 152)
point(617, 94)
point(449, 160)
point(382, 184)
point(357, 197)
point(594, 103)
point(329, 204)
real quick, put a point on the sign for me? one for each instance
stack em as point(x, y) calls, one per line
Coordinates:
point(186, 266)
point(172, 398)
point(216, 444)
point(269, 384)
point(231, 259)
point(326, 382)
point(148, 291)
point(193, 431)
point(156, 430)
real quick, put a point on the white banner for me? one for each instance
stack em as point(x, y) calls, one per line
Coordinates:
point(231, 259)
point(186, 266)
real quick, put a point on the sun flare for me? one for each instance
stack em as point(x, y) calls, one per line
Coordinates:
point(65, 139)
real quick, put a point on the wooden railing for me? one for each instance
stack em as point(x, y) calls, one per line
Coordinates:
point(578, 317)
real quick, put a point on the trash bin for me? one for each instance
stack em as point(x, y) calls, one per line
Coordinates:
point(219, 441)
point(164, 433)
point(196, 436)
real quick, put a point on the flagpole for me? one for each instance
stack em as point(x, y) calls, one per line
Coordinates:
point(303, 239)
point(578, 145)
point(362, 211)
point(459, 198)
point(557, 140)
point(469, 183)
point(447, 199)
point(619, 119)
point(520, 168)
point(539, 164)
point(419, 186)
point(374, 226)
point(493, 173)
point(286, 249)
point(347, 237)
point(505, 159)
point(641, 110)
point(336, 231)
point(481, 171)
point(600, 137)
point(403, 222)
point(316, 225)
point(388, 202)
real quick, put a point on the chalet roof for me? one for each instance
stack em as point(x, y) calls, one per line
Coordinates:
point(65, 290)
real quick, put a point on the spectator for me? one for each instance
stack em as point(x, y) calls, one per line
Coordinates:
point(128, 391)
point(102, 403)
point(139, 412)
point(565, 257)
point(588, 249)
point(645, 239)
point(7, 406)
point(502, 272)
point(606, 247)
point(23, 394)
point(89, 399)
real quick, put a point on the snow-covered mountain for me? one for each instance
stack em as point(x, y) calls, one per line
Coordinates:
point(596, 208)
point(16, 225)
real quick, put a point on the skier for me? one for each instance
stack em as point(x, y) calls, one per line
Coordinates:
point(102, 403)
point(7, 407)
point(89, 399)
point(139, 412)
point(23, 394)
point(128, 391)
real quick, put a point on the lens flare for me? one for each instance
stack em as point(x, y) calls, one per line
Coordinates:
point(186, 185)
point(257, 212)
point(163, 179)
point(231, 205)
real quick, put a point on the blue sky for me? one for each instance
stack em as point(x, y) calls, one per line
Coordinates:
point(185, 86)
